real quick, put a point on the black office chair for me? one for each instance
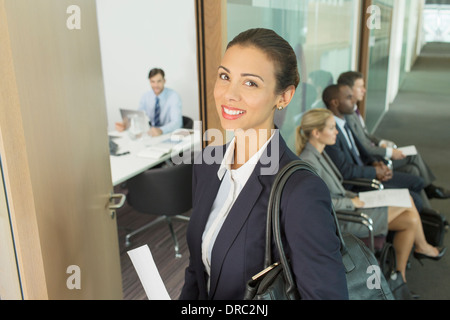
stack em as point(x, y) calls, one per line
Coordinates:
point(375, 243)
point(166, 192)
point(359, 218)
point(188, 123)
point(364, 184)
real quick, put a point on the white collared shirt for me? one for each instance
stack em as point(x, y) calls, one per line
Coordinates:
point(233, 181)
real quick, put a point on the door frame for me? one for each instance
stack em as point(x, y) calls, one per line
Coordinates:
point(56, 170)
point(211, 44)
point(19, 191)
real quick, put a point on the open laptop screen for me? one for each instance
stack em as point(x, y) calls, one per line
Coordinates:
point(138, 115)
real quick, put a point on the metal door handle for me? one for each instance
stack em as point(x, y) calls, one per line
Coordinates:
point(113, 205)
point(119, 204)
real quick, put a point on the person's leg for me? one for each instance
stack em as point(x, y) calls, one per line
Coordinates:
point(413, 183)
point(409, 231)
point(405, 180)
point(420, 242)
point(416, 166)
point(405, 231)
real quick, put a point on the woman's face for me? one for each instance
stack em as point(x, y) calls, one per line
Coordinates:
point(328, 135)
point(245, 89)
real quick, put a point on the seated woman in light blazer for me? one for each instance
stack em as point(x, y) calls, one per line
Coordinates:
point(318, 129)
point(257, 77)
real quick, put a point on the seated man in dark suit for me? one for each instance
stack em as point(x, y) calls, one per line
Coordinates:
point(352, 159)
point(383, 148)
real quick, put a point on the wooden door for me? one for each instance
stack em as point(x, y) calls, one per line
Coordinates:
point(212, 41)
point(54, 152)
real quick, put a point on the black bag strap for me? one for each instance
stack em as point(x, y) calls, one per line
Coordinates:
point(388, 260)
point(273, 218)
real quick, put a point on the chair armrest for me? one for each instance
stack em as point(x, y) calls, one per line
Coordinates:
point(361, 219)
point(370, 183)
point(360, 215)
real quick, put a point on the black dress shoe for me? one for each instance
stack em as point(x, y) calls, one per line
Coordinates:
point(414, 295)
point(433, 191)
point(420, 256)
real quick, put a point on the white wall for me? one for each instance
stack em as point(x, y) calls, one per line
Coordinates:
point(414, 37)
point(137, 35)
point(395, 55)
point(420, 40)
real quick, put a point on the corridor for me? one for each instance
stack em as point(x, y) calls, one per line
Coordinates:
point(420, 116)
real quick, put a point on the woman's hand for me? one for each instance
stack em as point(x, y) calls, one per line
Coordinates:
point(358, 203)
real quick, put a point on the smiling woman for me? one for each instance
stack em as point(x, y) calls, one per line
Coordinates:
point(324, 36)
point(252, 84)
point(245, 100)
point(226, 235)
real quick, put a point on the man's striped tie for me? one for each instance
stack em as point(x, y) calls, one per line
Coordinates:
point(353, 146)
point(156, 121)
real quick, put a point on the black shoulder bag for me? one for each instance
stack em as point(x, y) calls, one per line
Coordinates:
point(388, 264)
point(276, 281)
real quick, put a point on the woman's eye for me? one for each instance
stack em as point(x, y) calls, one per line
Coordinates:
point(251, 84)
point(223, 76)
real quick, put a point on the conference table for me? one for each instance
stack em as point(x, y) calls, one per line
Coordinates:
point(136, 155)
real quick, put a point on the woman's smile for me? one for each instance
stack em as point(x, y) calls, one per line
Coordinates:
point(231, 113)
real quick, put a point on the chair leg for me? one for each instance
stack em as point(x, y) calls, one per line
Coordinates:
point(148, 225)
point(174, 237)
point(181, 218)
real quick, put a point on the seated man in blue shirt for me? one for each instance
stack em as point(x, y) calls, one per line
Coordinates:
point(162, 106)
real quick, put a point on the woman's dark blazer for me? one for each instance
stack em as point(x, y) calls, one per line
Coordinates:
point(310, 236)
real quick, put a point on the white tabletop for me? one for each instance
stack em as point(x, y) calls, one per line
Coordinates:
point(143, 153)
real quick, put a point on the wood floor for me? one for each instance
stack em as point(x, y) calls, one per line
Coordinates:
point(161, 245)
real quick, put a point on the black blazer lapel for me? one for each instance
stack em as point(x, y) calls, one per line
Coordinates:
point(206, 188)
point(364, 154)
point(351, 156)
point(205, 195)
point(243, 206)
point(207, 185)
point(331, 166)
point(232, 226)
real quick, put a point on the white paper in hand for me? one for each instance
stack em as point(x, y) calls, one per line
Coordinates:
point(148, 273)
point(385, 198)
point(409, 150)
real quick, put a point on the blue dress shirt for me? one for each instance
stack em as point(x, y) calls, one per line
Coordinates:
point(171, 117)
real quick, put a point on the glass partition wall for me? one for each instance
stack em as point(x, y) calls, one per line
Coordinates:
point(377, 77)
point(323, 34)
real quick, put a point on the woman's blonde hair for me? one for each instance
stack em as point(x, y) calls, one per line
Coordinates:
point(312, 119)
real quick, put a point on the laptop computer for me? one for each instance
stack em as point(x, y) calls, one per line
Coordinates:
point(139, 116)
